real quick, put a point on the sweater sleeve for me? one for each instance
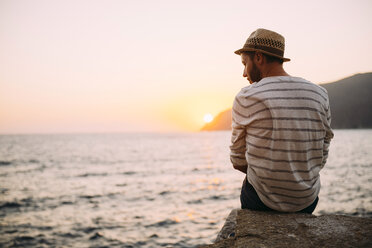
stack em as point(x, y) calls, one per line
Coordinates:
point(328, 136)
point(238, 143)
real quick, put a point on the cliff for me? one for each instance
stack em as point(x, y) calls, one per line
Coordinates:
point(351, 101)
point(248, 228)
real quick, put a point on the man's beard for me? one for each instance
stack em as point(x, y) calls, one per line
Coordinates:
point(254, 74)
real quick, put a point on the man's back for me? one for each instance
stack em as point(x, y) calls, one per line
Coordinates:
point(281, 130)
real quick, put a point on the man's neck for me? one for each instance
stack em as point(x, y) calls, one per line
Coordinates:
point(273, 70)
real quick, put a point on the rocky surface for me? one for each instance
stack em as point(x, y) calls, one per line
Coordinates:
point(228, 229)
point(246, 228)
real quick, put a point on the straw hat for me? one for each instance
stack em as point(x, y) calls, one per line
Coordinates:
point(265, 41)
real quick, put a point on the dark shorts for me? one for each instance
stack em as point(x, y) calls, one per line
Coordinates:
point(250, 200)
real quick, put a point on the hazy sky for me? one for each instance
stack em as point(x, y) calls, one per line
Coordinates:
point(120, 66)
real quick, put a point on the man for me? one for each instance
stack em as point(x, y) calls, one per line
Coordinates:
point(280, 130)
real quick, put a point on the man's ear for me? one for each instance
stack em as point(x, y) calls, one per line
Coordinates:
point(259, 58)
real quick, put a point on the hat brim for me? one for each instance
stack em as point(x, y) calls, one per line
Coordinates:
point(242, 50)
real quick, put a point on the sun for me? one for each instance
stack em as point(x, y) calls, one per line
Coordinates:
point(208, 118)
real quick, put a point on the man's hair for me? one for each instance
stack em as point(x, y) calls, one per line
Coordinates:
point(269, 59)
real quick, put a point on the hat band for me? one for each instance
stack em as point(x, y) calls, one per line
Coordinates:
point(272, 50)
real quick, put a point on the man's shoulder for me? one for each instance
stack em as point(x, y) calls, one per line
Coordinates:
point(271, 85)
point(280, 82)
point(288, 82)
point(243, 91)
point(281, 79)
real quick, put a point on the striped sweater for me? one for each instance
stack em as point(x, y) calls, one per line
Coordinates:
point(281, 135)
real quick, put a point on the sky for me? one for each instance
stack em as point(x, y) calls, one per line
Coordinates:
point(158, 66)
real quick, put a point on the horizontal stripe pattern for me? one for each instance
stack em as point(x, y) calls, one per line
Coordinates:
point(284, 160)
point(287, 180)
point(288, 189)
point(262, 100)
point(288, 129)
point(281, 132)
point(282, 202)
point(237, 114)
point(284, 139)
point(280, 107)
point(286, 170)
point(286, 89)
point(283, 150)
point(292, 196)
point(290, 82)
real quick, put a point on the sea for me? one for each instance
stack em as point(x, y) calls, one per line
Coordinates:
point(147, 189)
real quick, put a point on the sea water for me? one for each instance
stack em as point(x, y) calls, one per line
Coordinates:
point(146, 190)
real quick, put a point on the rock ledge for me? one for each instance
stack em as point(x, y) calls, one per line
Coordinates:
point(246, 228)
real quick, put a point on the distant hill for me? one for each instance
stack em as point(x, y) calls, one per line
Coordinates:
point(221, 122)
point(350, 99)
